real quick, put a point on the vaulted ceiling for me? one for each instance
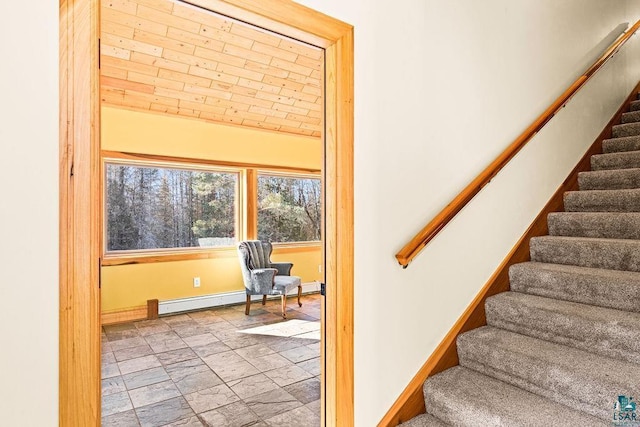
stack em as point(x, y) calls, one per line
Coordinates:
point(169, 57)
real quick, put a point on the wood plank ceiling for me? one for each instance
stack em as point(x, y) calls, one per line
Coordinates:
point(168, 57)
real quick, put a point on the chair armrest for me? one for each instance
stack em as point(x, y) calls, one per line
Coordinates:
point(262, 280)
point(284, 268)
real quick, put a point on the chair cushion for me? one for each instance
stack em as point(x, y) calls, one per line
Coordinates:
point(284, 284)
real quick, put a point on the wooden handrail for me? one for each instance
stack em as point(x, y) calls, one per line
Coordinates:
point(413, 248)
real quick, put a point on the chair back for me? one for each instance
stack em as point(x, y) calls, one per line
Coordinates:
point(255, 253)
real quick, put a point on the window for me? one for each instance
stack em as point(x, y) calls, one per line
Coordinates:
point(166, 208)
point(149, 207)
point(289, 208)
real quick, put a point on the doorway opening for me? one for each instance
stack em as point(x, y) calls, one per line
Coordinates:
point(81, 216)
point(211, 135)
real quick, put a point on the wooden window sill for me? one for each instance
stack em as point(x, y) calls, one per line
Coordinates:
point(228, 252)
point(157, 256)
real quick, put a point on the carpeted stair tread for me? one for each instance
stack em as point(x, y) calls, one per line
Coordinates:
point(635, 106)
point(608, 225)
point(616, 145)
point(616, 179)
point(612, 254)
point(465, 398)
point(625, 129)
point(620, 160)
point(424, 420)
point(631, 117)
point(627, 200)
point(599, 287)
point(572, 377)
point(604, 331)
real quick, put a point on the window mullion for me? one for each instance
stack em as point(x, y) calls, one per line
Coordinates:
point(251, 204)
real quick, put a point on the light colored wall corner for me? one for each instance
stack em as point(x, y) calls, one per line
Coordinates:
point(442, 87)
point(29, 215)
point(146, 133)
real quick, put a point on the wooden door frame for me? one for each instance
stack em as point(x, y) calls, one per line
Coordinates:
point(80, 194)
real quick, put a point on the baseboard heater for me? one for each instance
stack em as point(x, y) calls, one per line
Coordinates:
point(217, 300)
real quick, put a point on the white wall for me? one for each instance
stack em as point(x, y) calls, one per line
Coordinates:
point(29, 214)
point(441, 88)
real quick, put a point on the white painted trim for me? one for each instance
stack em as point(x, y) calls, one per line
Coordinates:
point(217, 300)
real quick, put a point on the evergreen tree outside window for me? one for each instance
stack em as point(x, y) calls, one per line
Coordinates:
point(289, 208)
point(150, 207)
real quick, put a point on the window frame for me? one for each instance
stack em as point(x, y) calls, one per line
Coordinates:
point(134, 256)
point(246, 218)
point(294, 175)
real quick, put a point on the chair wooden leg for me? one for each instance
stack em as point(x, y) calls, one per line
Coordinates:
point(284, 306)
point(246, 310)
point(264, 299)
point(299, 295)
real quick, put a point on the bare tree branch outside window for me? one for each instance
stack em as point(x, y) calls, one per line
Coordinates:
point(289, 208)
point(161, 208)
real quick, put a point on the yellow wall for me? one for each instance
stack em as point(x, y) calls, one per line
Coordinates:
point(129, 286)
point(146, 133)
point(132, 285)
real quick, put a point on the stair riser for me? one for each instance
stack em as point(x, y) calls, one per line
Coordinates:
point(616, 340)
point(631, 143)
point(625, 160)
point(608, 254)
point(629, 129)
point(586, 388)
point(601, 291)
point(623, 201)
point(607, 226)
point(609, 180)
point(635, 106)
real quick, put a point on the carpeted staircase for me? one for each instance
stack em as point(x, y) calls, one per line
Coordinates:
point(563, 345)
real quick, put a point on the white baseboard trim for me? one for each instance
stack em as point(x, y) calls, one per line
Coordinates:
point(217, 300)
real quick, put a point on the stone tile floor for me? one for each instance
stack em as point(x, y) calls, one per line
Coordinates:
point(215, 367)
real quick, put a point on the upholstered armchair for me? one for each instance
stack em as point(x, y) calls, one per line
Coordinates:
point(263, 277)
